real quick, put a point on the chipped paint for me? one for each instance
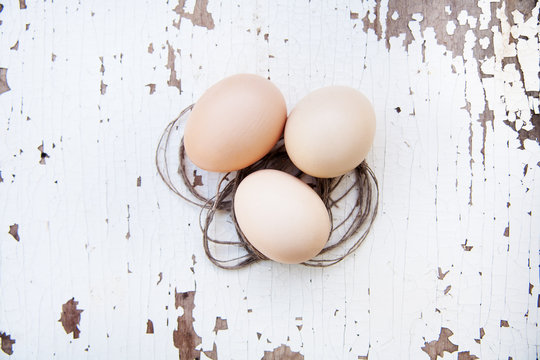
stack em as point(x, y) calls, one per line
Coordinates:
point(212, 354)
point(173, 81)
point(43, 155)
point(442, 344)
point(197, 179)
point(221, 324)
point(152, 88)
point(102, 87)
point(14, 231)
point(466, 247)
point(149, 327)
point(185, 339)
point(199, 17)
point(455, 88)
point(466, 355)
point(70, 317)
point(283, 352)
point(3, 80)
point(6, 343)
point(447, 290)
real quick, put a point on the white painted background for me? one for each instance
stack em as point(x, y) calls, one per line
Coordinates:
point(437, 192)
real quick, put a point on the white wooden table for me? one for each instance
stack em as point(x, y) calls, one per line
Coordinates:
point(87, 227)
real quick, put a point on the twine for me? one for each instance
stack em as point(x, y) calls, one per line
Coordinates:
point(356, 223)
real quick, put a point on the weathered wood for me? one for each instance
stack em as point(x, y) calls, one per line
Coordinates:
point(450, 266)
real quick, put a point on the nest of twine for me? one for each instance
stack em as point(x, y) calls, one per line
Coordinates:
point(359, 188)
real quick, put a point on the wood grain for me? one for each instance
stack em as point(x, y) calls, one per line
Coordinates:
point(450, 266)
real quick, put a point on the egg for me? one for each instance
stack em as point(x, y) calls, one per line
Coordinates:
point(330, 131)
point(281, 216)
point(235, 123)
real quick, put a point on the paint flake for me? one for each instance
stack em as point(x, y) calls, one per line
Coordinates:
point(221, 324)
point(282, 353)
point(71, 317)
point(212, 354)
point(149, 327)
point(466, 247)
point(185, 339)
point(14, 231)
point(43, 155)
point(6, 343)
point(152, 88)
point(3, 81)
point(199, 17)
point(102, 87)
point(173, 80)
point(442, 274)
point(438, 347)
point(466, 355)
point(197, 179)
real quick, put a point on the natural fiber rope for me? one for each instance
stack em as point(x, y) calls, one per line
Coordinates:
point(358, 221)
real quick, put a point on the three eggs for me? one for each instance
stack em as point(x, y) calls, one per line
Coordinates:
point(237, 121)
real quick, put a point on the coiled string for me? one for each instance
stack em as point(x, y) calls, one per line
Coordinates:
point(353, 227)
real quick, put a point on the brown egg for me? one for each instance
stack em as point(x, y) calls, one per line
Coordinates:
point(330, 131)
point(235, 123)
point(281, 216)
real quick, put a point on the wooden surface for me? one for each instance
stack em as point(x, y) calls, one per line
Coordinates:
point(99, 260)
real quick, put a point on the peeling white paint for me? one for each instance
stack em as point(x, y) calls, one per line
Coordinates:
point(462, 17)
point(450, 27)
point(450, 183)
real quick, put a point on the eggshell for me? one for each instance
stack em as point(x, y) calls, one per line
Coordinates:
point(281, 216)
point(235, 123)
point(330, 131)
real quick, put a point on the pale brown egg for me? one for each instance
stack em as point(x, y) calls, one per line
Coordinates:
point(235, 123)
point(281, 216)
point(330, 131)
